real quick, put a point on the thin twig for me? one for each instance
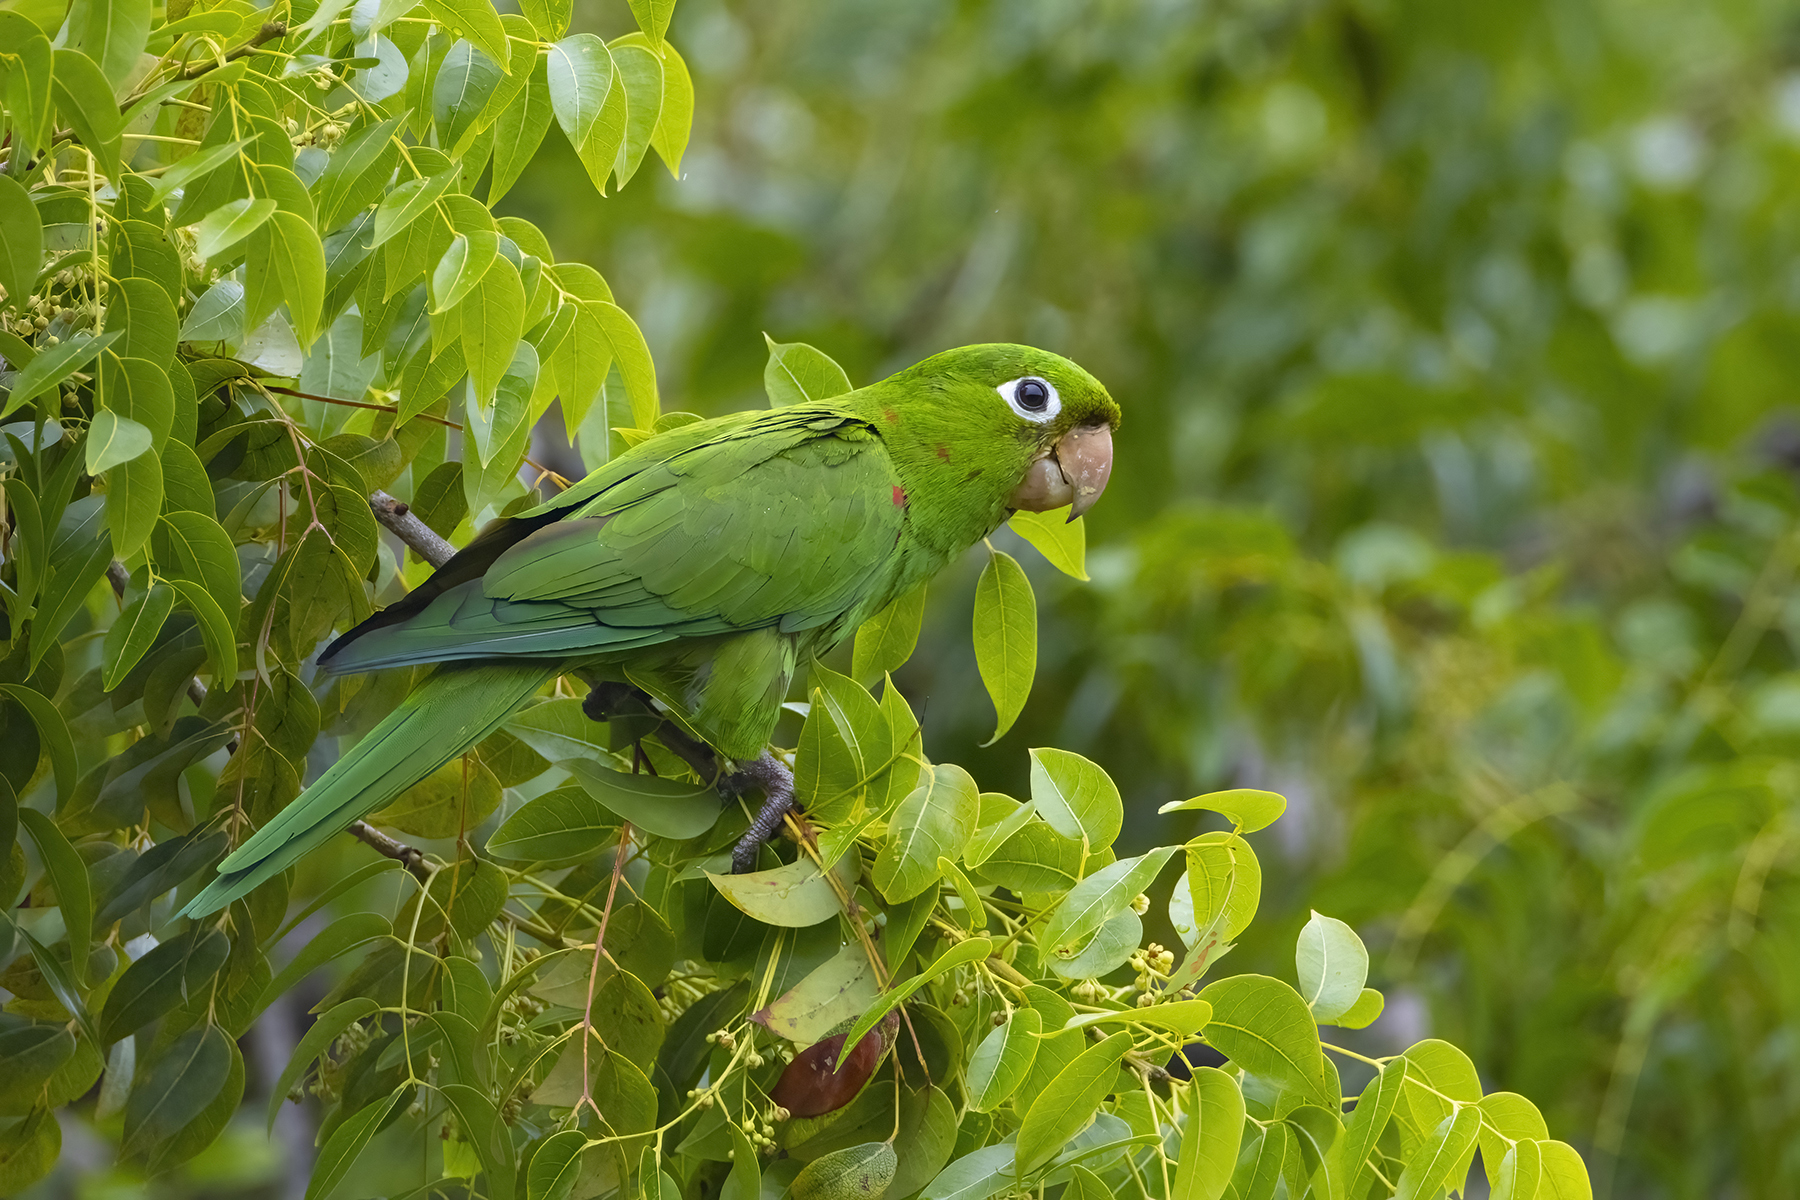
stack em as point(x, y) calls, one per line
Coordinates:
point(410, 857)
point(419, 537)
point(562, 481)
point(270, 31)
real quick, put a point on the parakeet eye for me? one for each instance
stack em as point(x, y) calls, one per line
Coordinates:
point(1032, 398)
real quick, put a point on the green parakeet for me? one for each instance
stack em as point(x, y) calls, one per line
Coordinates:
point(703, 566)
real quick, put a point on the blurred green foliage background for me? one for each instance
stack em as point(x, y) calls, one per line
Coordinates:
point(1456, 496)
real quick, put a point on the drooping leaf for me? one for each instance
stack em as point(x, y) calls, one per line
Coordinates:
point(1003, 1059)
point(1005, 637)
point(1331, 963)
point(1062, 541)
point(1069, 1104)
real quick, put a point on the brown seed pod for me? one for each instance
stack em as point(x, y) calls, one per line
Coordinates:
point(810, 1088)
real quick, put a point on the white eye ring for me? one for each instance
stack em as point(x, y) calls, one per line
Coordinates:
point(1052, 403)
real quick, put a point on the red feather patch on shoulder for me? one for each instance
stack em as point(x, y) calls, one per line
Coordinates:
point(899, 496)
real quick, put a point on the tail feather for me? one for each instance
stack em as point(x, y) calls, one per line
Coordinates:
point(445, 715)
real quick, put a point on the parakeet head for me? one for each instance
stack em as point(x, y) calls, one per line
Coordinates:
point(991, 428)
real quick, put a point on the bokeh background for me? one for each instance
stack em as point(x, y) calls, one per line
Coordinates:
point(1456, 495)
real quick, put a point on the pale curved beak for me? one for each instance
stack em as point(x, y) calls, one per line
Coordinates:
point(1073, 473)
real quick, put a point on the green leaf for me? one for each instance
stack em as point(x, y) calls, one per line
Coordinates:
point(555, 1166)
point(459, 95)
point(1224, 882)
point(828, 996)
point(1449, 1076)
point(933, 821)
point(676, 120)
point(491, 318)
point(197, 166)
point(285, 263)
point(886, 640)
point(1062, 541)
point(1331, 963)
point(1369, 1121)
point(557, 729)
point(317, 1039)
point(1003, 1060)
point(409, 200)
point(795, 895)
point(975, 1176)
point(112, 440)
point(652, 17)
point(86, 99)
point(54, 365)
point(345, 1145)
point(1210, 1136)
point(1263, 1026)
point(640, 72)
point(69, 875)
point(580, 73)
point(462, 267)
point(337, 939)
point(632, 353)
point(661, 807)
point(1005, 637)
point(358, 172)
point(165, 865)
point(1362, 1012)
point(557, 828)
point(520, 127)
point(1519, 1173)
point(177, 1088)
point(861, 1172)
point(550, 18)
point(1433, 1165)
point(797, 373)
point(144, 311)
point(29, 1149)
point(112, 33)
point(1181, 1016)
point(193, 547)
point(1076, 797)
point(134, 630)
point(229, 224)
point(162, 979)
point(475, 20)
point(1564, 1176)
point(1067, 1106)
point(21, 243)
point(1099, 898)
point(963, 953)
point(1506, 1117)
point(1247, 808)
point(1319, 1134)
point(216, 627)
point(55, 733)
point(27, 91)
point(746, 1173)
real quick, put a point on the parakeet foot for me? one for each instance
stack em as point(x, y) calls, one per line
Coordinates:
point(770, 775)
point(609, 700)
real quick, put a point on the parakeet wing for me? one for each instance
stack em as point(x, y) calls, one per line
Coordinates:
point(784, 520)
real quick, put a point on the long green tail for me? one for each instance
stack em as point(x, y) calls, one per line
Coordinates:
point(444, 716)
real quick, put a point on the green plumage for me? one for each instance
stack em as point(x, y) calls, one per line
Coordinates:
point(702, 565)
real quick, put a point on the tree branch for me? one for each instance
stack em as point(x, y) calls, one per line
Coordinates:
point(270, 31)
point(411, 857)
point(418, 536)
